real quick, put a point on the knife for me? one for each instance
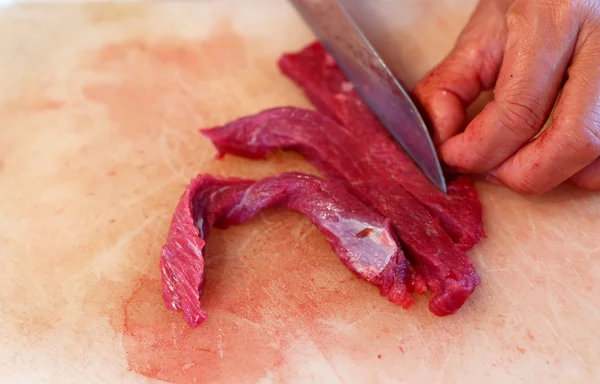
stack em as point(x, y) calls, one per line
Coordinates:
point(357, 58)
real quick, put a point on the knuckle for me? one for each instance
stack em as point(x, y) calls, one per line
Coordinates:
point(516, 16)
point(582, 133)
point(486, 57)
point(520, 115)
point(590, 136)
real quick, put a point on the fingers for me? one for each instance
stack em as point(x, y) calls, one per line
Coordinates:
point(448, 89)
point(589, 177)
point(572, 142)
point(539, 46)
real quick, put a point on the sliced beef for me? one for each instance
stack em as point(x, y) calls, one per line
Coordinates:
point(340, 155)
point(204, 202)
point(361, 238)
point(459, 212)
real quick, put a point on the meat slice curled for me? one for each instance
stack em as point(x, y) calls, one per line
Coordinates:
point(341, 156)
point(362, 239)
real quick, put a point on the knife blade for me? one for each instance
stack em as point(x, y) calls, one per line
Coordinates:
point(339, 33)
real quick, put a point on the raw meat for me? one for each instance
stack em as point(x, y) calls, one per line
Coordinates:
point(361, 238)
point(181, 258)
point(459, 212)
point(373, 186)
point(338, 154)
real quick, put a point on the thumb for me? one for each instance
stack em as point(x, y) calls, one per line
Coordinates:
point(472, 66)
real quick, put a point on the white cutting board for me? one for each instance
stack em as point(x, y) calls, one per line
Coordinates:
point(99, 111)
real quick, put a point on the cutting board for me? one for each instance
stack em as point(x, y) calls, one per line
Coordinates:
point(99, 112)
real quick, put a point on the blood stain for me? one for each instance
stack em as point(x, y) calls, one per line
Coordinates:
point(364, 233)
point(160, 345)
point(520, 349)
point(167, 79)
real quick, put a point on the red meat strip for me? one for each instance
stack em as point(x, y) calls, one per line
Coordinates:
point(339, 155)
point(315, 71)
point(361, 238)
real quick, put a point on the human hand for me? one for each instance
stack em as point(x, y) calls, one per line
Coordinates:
point(527, 50)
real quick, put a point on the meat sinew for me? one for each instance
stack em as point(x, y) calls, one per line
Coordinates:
point(315, 71)
point(338, 154)
point(362, 239)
